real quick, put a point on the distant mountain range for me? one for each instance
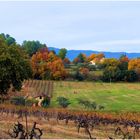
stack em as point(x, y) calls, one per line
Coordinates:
point(71, 54)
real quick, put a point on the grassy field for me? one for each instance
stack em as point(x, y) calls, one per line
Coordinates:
point(115, 96)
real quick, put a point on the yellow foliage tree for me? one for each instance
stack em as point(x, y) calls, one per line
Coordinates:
point(134, 64)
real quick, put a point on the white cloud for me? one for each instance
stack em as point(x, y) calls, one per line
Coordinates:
point(118, 42)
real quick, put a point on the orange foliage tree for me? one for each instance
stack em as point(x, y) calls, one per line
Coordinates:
point(47, 65)
point(81, 58)
point(66, 61)
point(96, 57)
point(91, 57)
point(84, 71)
point(100, 55)
point(124, 58)
point(134, 64)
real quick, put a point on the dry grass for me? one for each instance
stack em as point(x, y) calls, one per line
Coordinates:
point(53, 129)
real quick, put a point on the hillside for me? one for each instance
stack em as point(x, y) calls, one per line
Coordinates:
point(71, 54)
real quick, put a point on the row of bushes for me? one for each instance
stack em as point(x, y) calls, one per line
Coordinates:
point(76, 75)
point(90, 105)
point(62, 101)
point(20, 100)
point(105, 76)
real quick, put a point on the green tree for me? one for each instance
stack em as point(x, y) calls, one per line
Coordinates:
point(117, 70)
point(110, 70)
point(123, 62)
point(31, 47)
point(81, 58)
point(131, 76)
point(8, 39)
point(110, 74)
point(46, 102)
point(62, 53)
point(14, 66)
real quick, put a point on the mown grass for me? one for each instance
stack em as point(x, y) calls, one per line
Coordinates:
point(115, 97)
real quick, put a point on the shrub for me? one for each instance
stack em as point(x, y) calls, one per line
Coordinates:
point(87, 104)
point(63, 102)
point(101, 107)
point(131, 76)
point(90, 105)
point(19, 100)
point(84, 72)
point(78, 76)
point(91, 67)
point(93, 105)
point(30, 102)
point(46, 102)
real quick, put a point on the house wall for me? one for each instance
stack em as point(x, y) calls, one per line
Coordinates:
point(39, 100)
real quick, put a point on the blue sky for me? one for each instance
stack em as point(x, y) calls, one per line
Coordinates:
point(101, 26)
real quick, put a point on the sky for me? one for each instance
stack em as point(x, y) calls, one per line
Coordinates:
point(101, 26)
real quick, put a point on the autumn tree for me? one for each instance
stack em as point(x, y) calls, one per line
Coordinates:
point(81, 58)
point(100, 55)
point(114, 70)
point(66, 61)
point(123, 58)
point(123, 62)
point(110, 69)
point(134, 64)
point(84, 72)
point(117, 70)
point(110, 62)
point(14, 66)
point(76, 60)
point(46, 65)
point(91, 57)
point(62, 53)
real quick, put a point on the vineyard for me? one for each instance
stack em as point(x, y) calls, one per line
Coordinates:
point(80, 124)
point(75, 121)
point(38, 87)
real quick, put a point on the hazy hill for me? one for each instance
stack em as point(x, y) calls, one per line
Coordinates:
point(71, 54)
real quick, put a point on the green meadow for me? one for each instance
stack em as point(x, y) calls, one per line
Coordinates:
point(115, 97)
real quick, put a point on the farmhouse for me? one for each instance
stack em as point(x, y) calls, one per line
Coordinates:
point(97, 60)
point(38, 97)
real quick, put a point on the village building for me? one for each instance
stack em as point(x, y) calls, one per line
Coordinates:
point(97, 60)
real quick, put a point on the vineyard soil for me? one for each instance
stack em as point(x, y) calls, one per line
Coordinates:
point(54, 129)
